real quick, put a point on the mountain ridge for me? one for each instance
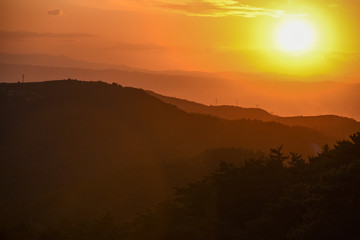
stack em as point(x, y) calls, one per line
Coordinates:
point(280, 98)
point(332, 125)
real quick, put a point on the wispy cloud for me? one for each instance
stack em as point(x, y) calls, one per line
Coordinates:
point(208, 8)
point(55, 12)
point(221, 8)
point(23, 35)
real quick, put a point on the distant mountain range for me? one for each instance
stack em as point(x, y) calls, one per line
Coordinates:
point(62, 61)
point(56, 61)
point(331, 125)
point(279, 94)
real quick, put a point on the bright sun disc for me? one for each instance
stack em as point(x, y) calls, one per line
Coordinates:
point(295, 36)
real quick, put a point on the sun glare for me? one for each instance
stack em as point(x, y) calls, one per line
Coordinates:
point(295, 36)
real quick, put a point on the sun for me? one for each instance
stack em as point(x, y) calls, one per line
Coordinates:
point(295, 36)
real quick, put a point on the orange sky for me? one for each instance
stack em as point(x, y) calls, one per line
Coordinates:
point(206, 35)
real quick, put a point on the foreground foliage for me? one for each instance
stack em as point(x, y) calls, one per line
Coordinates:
point(274, 197)
point(278, 197)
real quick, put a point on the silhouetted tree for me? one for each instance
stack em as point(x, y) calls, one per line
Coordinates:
point(276, 157)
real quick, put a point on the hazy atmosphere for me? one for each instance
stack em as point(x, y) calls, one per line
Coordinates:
point(179, 119)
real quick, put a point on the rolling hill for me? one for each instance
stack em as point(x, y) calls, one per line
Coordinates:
point(71, 149)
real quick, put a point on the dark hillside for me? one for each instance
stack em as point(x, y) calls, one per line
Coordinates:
point(71, 149)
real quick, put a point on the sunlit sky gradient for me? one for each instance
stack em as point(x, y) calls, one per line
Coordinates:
point(204, 35)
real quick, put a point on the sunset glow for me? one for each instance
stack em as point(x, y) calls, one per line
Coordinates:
point(179, 119)
point(306, 40)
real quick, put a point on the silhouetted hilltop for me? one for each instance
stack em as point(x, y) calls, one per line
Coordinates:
point(224, 111)
point(331, 125)
point(112, 107)
point(72, 149)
